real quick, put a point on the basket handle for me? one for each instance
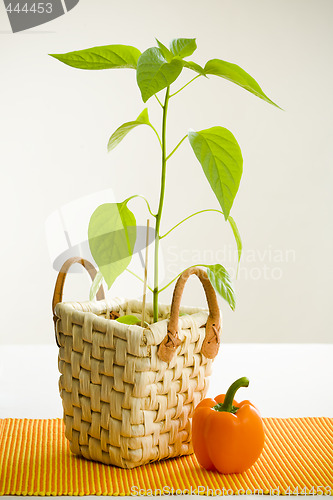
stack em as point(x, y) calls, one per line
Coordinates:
point(211, 343)
point(59, 286)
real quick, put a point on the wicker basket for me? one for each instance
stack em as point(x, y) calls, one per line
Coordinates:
point(128, 392)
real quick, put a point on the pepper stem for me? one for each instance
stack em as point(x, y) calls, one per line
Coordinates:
point(229, 397)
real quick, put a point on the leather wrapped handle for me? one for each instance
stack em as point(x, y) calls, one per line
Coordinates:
point(59, 286)
point(211, 343)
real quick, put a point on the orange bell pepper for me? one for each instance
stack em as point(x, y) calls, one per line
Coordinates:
point(227, 436)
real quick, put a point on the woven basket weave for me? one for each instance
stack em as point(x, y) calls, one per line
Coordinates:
point(128, 392)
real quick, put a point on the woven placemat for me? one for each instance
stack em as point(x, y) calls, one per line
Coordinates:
point(35, 460)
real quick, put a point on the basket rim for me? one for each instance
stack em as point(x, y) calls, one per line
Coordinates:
point(151, 335)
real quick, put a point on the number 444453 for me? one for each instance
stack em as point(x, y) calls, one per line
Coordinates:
point(36, 8)
point(318, 490)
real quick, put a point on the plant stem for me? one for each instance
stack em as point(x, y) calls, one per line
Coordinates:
point(160, 207)
point(232, 225)
point(159, 102)
point(131, 272)
point(174, 150)
point(143, 198)
point(192, 215)
point(170, 283)
point(158, 137)
point(174, 279)
point(229, 397)
point(188, 83)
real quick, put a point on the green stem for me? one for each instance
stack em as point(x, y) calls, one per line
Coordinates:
point(229, 397)
point(143, 198)
point(192, 215)
point(179, 143)
point(131, 272)
point(166, 286)
point(160, 207)
point(188, 83)
point(174, 279)
point(158, 137)
point(233, 226)
point(159, 102)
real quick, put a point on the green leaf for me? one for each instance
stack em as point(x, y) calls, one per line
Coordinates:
point(221, 159)
point(221, 281)
point(95, 285)
point(129, 319)
point(104, 57)
point(165, 51)
point(237, 75)
point(154, 73)
point(183, 47)
point(112, 236)
point(237, 238)
point(123, 130)
point(194, 67)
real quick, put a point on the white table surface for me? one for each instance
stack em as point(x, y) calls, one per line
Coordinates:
point(286, 380)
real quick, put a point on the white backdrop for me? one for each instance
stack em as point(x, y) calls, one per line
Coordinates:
point(56, 121)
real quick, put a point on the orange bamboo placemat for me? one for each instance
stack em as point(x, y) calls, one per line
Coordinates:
point(35, 460)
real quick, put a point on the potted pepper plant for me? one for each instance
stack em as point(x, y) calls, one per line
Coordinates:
point(112, 235)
